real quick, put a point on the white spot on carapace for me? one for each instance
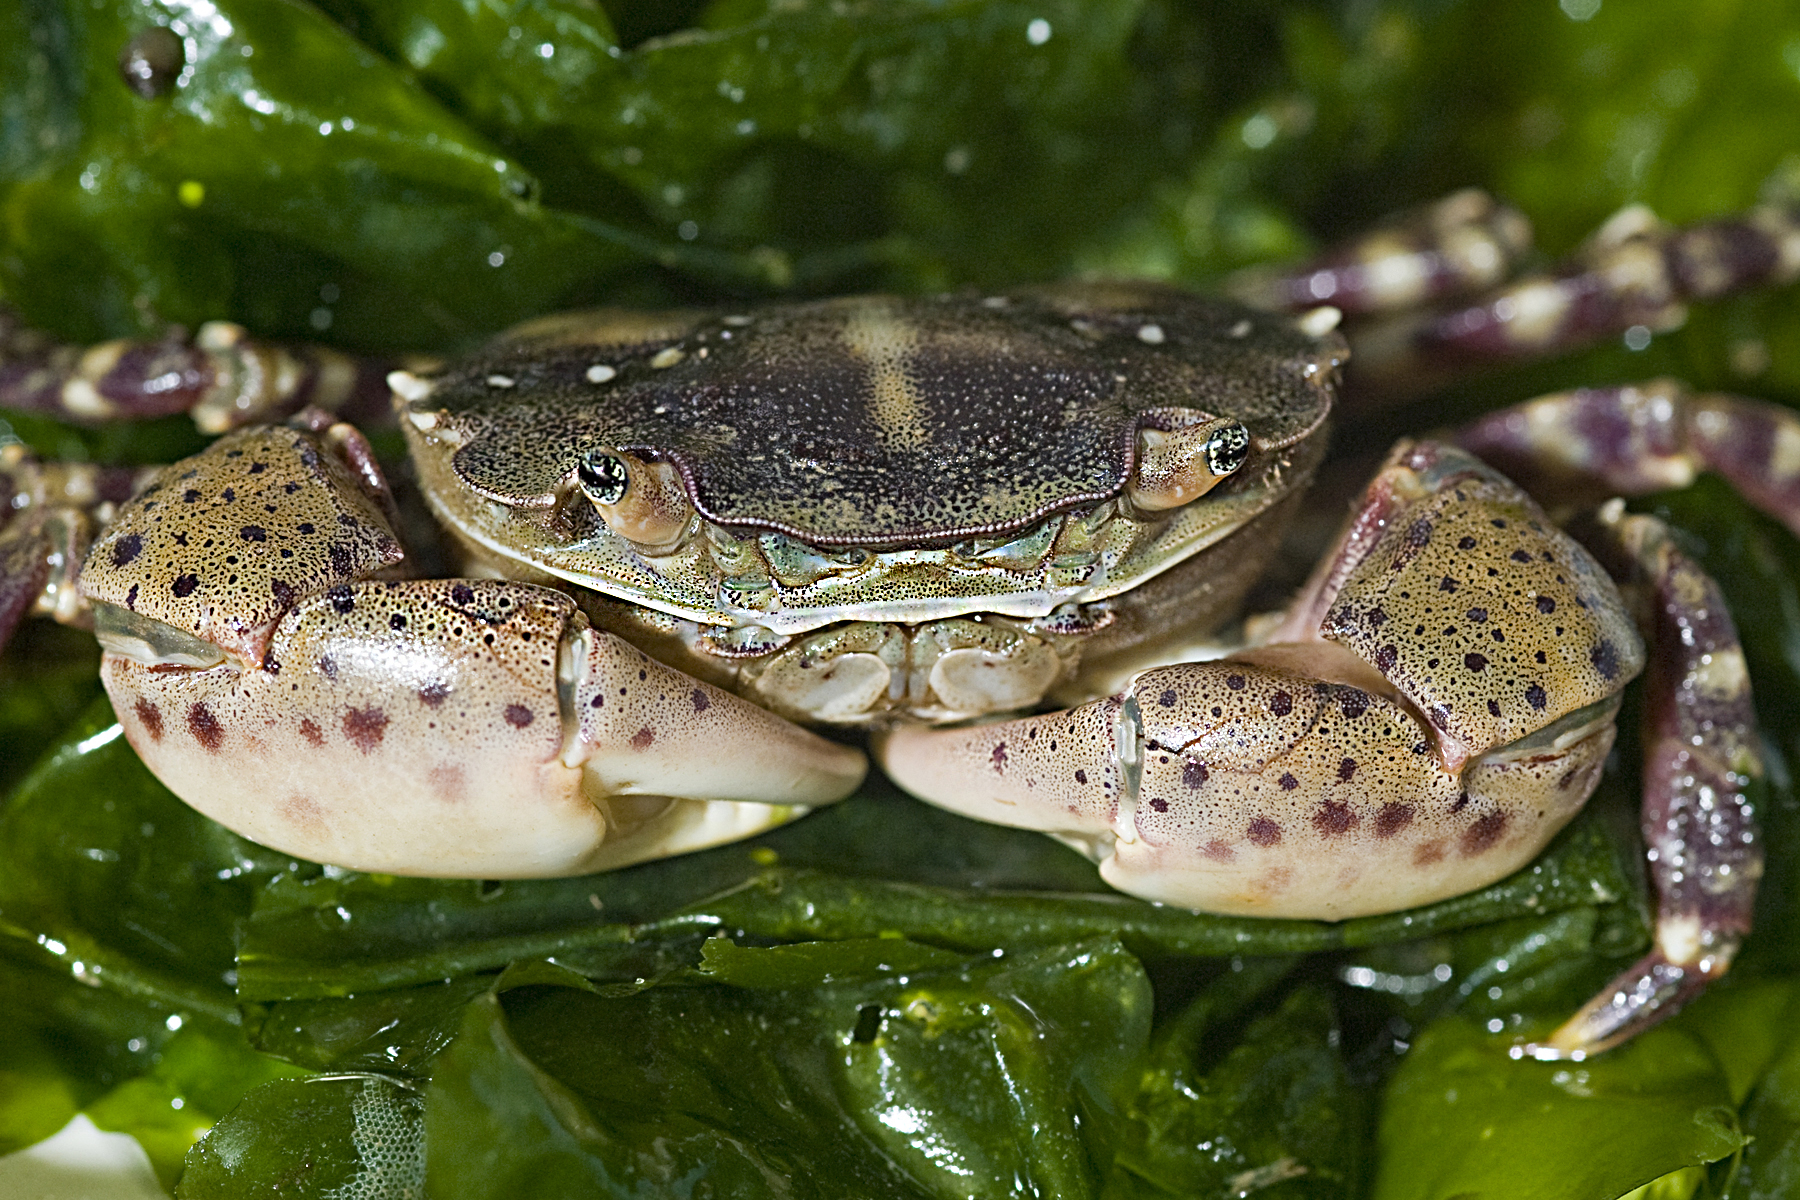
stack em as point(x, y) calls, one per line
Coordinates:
point(600, 373)
point(667, 357)
point(1241, 329)
point(1151, 335)
point(500, 381)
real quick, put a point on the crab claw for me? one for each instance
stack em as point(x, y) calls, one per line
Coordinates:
point(465, 728)
point(456, 727)
point(1440, 704)
point(1262, 790)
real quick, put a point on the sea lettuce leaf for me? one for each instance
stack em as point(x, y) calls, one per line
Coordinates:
point(416, 175)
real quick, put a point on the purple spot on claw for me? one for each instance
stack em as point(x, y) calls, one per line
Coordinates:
point(126, 549)
point(1392, 818)
point(366, 727)
point(1333, 818)
point(150, 717)
point(206, 728)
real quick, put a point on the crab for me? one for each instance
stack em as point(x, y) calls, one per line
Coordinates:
point(689, 535)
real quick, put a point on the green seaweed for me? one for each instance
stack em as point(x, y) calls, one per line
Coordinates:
point(881, 999)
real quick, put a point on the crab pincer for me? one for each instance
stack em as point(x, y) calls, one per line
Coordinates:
point(1435, 706)
point(261, 658)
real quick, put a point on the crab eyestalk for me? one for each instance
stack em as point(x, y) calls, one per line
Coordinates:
point(643, 502)
point(1185, 461)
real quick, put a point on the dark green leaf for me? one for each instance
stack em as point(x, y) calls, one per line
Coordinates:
point(982, 1079)
point(107, 875)
point(201, 1073)
point(337, 933)
point(37, 1096)
point(1462, 1118)
point(810, 964)
point(312, 1139)
point(1277, 1113)
point(291, 172)
point(397, 1031)
point(1770, 1167)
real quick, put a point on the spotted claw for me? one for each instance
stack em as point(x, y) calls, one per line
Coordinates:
point(1440, 703)
point(456, 727)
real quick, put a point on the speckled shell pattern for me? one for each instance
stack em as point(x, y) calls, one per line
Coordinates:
point(221, 544)
point(1449, 714)
point(880, 421)
point(871, 458)
point(439, 727)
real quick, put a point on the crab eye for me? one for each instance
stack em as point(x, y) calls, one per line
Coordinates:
point(1226, 449)
point(1186, 460)
point(604, 476)
point(641, 501)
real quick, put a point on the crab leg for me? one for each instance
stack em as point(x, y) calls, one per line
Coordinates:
point(1635, 272)
point(222, 377)
point(455, 727)
point(1454, 247)
point(1706, 854)
point(1642, 438)
point(48, 512)
point(1440, 703)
